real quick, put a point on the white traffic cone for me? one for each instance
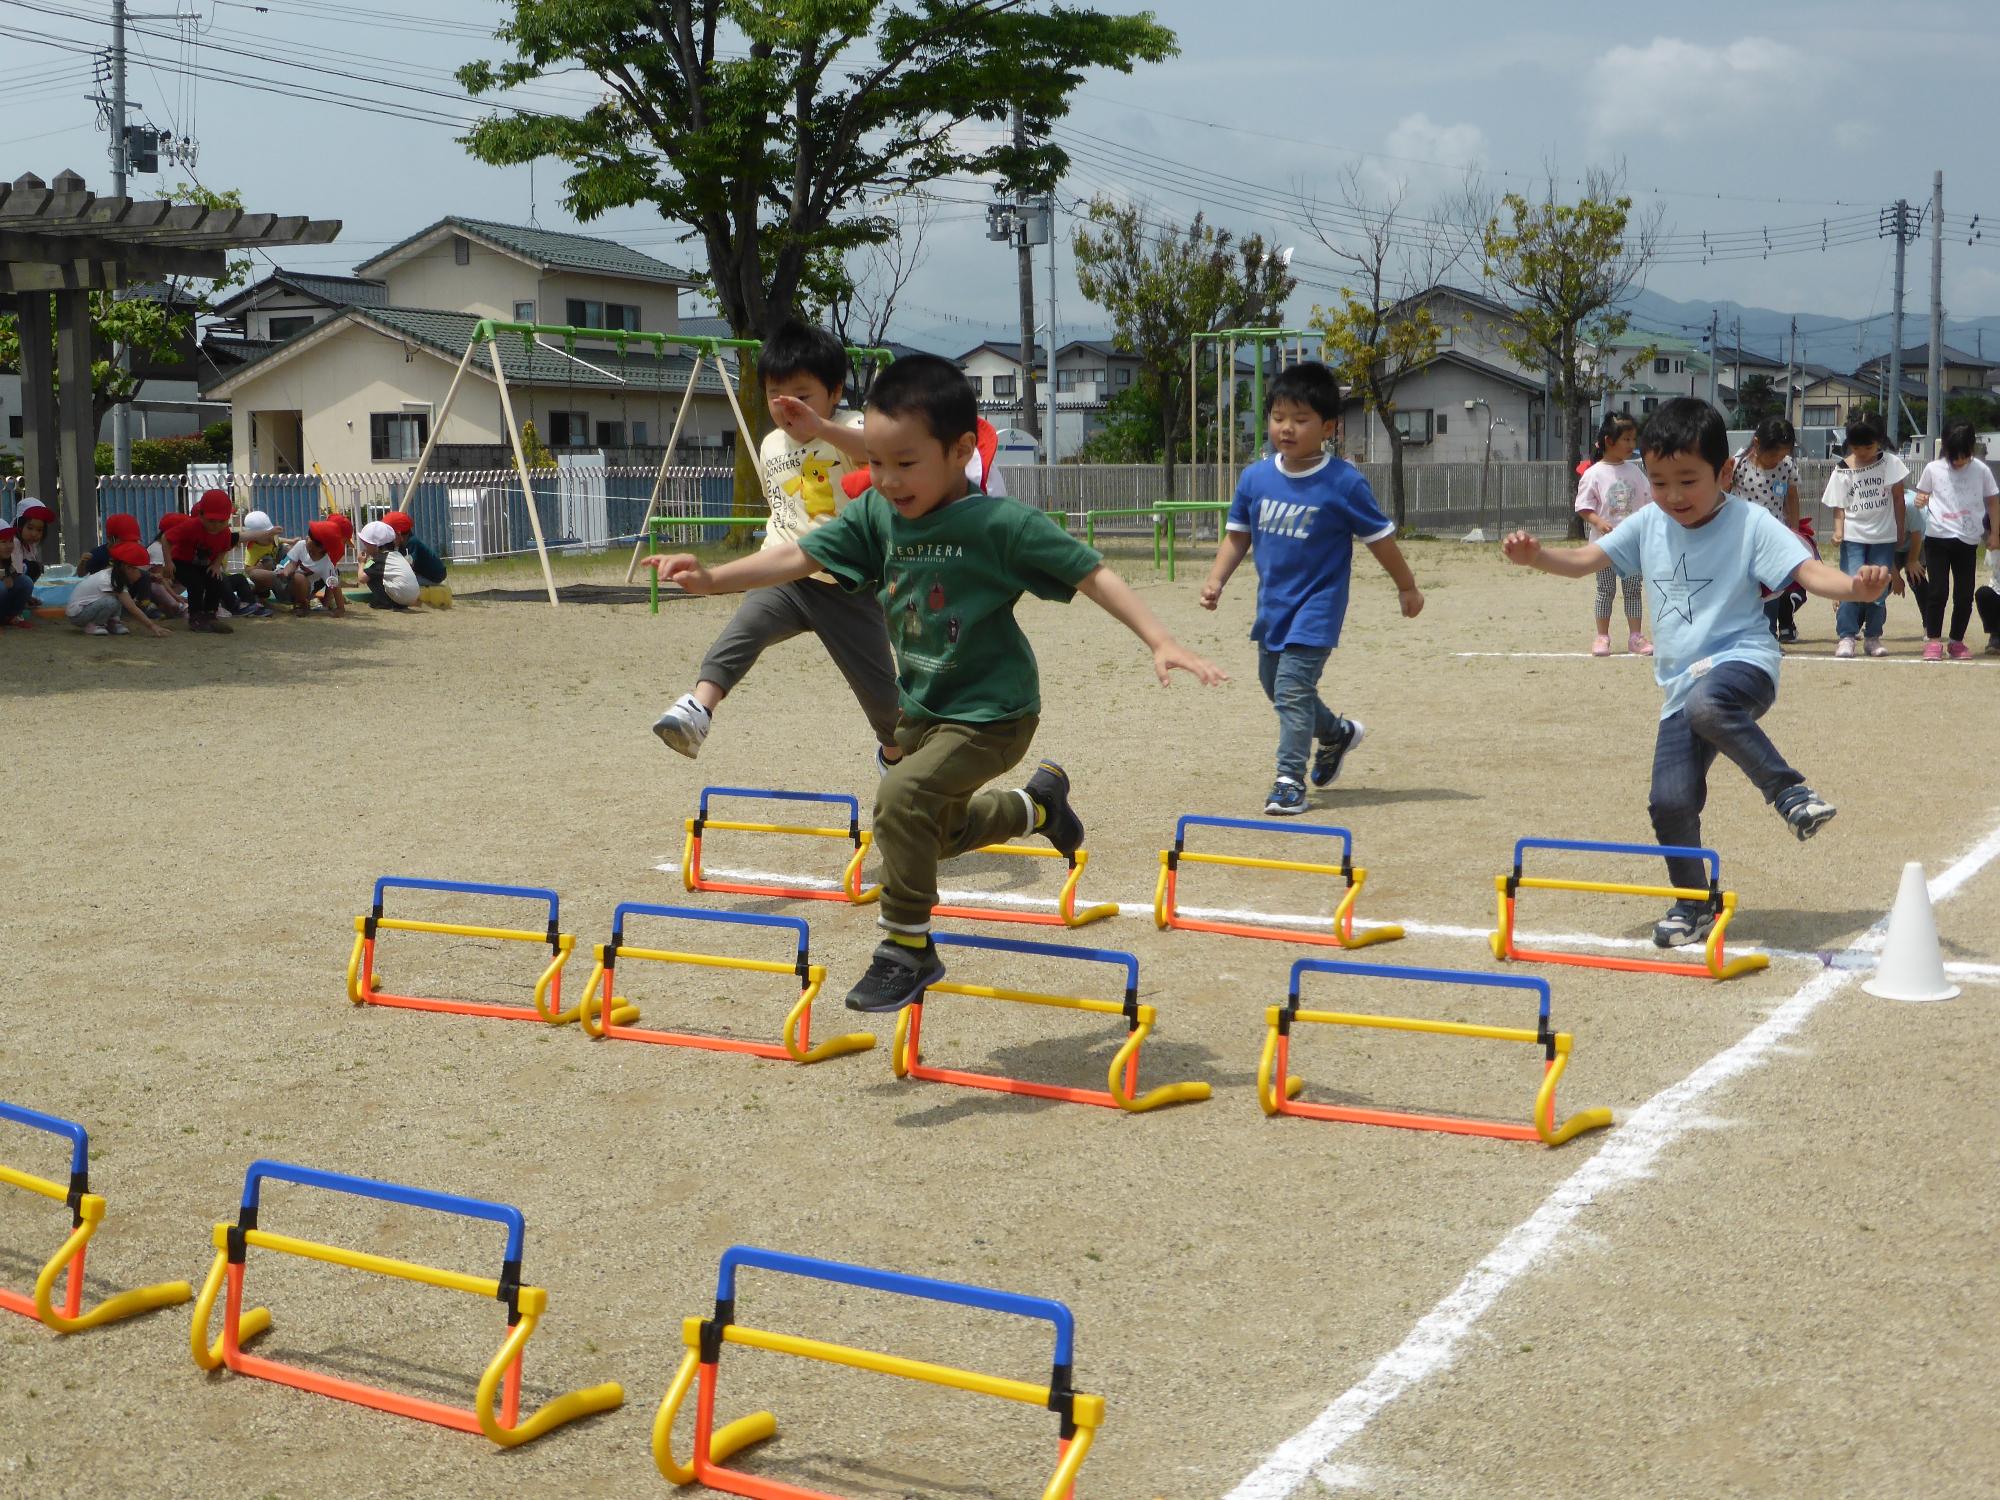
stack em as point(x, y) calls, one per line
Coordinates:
point(1912, 966)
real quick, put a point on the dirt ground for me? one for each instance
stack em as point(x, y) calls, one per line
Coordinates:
point(1800, 1300)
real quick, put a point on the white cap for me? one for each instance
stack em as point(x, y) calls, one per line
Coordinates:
point(257, 523)
point(379, 534)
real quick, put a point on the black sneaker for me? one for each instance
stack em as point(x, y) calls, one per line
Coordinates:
point(1287, 799)
point(1807, 813)
point(1331, 753)
point(1789, 635)
point(896, 977)
point(1686, 922)
point(1048, 789)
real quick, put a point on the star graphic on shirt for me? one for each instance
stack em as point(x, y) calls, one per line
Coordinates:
point(1677, 591)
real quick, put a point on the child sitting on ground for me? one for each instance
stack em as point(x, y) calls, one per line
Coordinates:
point(31, 524)
point(102, 595)
point(1706, 553)
point(948, 564)
point(1865, 493)
point(392, 582)
point(1610, 490)
point(312, 567)
point(1302, 509)
point(812, 445)
point(426, 564)
point(17, 589)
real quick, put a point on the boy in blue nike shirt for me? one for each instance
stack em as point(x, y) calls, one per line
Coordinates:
point(1704, 553)
point(1303, 509)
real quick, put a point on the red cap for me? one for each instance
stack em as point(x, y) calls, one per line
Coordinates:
point(213, 505)
point(344, 521)
point(6, 533)
point(400, 522)
point(173, 520)
point(855, 482)
point(121, 528)
point(32, 510)
point(131, 554)
point(331, 536)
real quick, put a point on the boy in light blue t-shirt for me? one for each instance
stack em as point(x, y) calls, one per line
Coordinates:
point(1705, 553)
point(1304, 508)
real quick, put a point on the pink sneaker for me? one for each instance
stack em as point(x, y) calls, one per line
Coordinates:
point(1933, 650)
point(1638, 645)
point(1845, 650)
point(1958, 651)
point(1601, 646)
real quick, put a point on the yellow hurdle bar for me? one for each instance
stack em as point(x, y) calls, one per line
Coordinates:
point(1246, 862)
point(382, 1265)
point(706, 960)
point(812, 833)
point(41, 1186)
point(456, 929)
point(1033, 997)
point(1407, 1023)
point(1610, 888)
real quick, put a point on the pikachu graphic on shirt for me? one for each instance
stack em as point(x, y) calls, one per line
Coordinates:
point(814, 487)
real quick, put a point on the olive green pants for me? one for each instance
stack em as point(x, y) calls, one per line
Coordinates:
point(930, 807)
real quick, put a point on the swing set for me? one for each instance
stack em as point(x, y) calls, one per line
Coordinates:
point(1289, 347)
point(489, 332)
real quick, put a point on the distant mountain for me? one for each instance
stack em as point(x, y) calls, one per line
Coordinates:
point(1823, 340)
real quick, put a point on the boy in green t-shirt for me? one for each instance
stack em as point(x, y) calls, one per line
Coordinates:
point(947, 562)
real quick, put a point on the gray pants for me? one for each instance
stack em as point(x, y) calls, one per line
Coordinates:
point(99, 611)
point(849, 625)
point(1608, 580)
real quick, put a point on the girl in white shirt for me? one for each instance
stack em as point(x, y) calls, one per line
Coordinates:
point(1610, 490)
point(1962, 507)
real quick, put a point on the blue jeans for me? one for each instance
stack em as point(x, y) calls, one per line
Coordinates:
point(17, 594)
point(1720, 715)
point(1864, 619)
point(1291, 681)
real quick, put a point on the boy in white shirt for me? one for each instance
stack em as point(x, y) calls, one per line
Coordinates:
point(1865, 494)
point(313, 567)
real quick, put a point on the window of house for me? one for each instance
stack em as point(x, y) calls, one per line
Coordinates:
point(1649, 405)
point(524, 312)
point(978, 384)
point(1822, 416)
point(638, 434)
point(587, 314)
point(14, 426)
point(395, 435)
point(1004, 385)
point(1066, 380)
point(461, 250)
point(1663, 365)
point(1444, 335)
point(1680, 367)
point(1097, 378)
point(1415, 426)
point(285, 327)
point(610, 434)
point(569, 429)
point(1441, 416)
point(1124, 376)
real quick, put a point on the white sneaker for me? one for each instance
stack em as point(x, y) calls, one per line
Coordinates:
point(1878, 647)
point(119, 627)
point(1845, 649)
point(95, 630)
point(684, 726)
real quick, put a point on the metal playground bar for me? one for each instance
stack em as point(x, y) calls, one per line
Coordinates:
point(1721, 903)
point(1122, 1091)
point(797, 1044)
point(86, 1213)
point(363, 986)
point(1066, 913)
point(1080, 1415)
point(1166, 912)
point(499, 1386)
point(1279, 1021)
point(850, 888)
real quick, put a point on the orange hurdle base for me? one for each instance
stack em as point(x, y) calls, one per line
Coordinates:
point(701, 882)
point(72, 1304)
point(1334, 939)
point(372, 996)
point(1511, 950)
point(1498, 1130)
point(1009, 1085)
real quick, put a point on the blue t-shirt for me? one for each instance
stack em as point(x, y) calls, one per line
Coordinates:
point(1303, 527)
point(1704, 581)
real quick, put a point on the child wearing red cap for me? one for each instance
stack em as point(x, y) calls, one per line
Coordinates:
point(103, 595)
point(17, 589)
point(199, 547)
point(117, 528)
point(312, 567)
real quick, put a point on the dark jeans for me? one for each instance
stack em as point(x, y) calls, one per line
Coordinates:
point(17, 594)
point(1950, 566)
point(1719, 716)
point(1291, 681)
point(1988, 601)
point(203, 588)
point(1853, 619)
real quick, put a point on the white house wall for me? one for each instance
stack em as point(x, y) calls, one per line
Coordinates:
point(1443, 389)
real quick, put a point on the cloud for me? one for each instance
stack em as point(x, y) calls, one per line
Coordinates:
point(1675, 90)
point(1427, 155)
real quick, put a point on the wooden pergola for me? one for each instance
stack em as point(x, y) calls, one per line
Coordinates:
point(59, 242)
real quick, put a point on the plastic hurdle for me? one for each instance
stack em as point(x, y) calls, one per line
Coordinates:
point(1123, 1074)
point(797, 1045)
point(86, 1213)
point(1066, 913)
point(1276, 1061)
point(1080, 1415)
point(850, 888)
point(500, 1384)
point(363, 985)
point(1165, 894)
point(1722, 903)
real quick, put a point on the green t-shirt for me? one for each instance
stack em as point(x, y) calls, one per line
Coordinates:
point(948, 582)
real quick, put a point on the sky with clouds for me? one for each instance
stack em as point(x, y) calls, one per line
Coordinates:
point(1740, 120)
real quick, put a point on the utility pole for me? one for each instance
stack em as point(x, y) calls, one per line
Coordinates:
point(1934, 407)
point(1736, 366)
point(121, 158)
point(1893, 402)
point(1055, 432)
point(1024, 272)
point(1714, 350)
point(1791, 363)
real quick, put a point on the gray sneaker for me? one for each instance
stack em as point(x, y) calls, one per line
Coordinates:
point(1808, 812)
point(684, 726)
point(1686, 923)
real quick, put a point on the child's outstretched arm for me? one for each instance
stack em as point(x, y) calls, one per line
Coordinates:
point(1114, 596)
point(804, 425)
point(759, 570)
point(1408, 595)
point(1524, 549)
point(1828, 582)
point(1229, 555)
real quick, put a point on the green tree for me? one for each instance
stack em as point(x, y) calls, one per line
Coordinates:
point(761, 123)
point(1566, 268)
point(1162, 285)
point(1756, 399)
point(1130, 433)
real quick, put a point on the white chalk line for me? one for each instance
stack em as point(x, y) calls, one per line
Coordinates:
point(1837, 958)
point(1626, 1156)
point(1790, 657)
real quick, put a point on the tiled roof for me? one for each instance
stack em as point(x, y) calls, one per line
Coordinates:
point(341, 291)
point(552, 249)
